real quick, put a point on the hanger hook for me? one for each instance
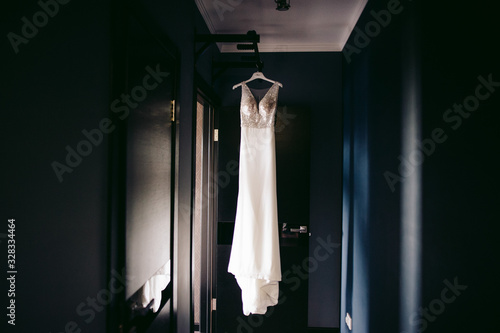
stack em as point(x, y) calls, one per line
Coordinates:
point(259, 65)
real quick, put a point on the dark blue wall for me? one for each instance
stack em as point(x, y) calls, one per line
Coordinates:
point(372, 126)
point(461, 180)
point(439, 62)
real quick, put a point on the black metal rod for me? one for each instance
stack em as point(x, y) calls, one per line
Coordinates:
point(245, 47)
point(258, 63)
point(250, 37)
point(233, 64)
point(201, 50)
point(249, 58)
point(228, 38)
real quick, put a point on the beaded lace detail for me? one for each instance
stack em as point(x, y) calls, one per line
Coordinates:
point(258, 115)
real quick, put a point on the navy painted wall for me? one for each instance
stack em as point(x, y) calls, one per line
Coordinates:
point(461, 180)
point(372, 99)
point(459, 172)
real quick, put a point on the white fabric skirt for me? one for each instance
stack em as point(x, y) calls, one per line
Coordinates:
point(255, 256)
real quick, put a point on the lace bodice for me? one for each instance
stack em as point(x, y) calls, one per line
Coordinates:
point(261, 114)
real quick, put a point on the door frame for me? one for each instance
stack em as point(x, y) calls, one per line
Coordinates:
point(210, 101)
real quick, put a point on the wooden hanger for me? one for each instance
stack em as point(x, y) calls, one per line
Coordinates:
point(257, 75)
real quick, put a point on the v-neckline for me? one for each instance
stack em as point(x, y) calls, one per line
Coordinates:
point(265, 95)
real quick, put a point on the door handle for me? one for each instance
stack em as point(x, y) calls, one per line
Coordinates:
point(301, 230)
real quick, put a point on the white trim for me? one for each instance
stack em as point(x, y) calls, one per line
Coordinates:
point(206, 17)
point(352, 22)
point(330, 47)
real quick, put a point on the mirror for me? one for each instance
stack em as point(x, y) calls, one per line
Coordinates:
point(147, 107)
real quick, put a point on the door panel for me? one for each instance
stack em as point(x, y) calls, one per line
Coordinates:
point(292, 171)
point(149, 158)
point(143, 160)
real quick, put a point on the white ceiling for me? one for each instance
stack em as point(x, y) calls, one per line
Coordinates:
point(308, 26)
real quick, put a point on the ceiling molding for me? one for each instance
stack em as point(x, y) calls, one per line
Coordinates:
point(204, 13)
point(352, 22)
point(263, 48)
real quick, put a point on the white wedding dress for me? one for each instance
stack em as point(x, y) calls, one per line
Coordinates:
point(255, 256)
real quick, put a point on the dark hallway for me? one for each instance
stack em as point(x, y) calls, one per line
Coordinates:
point(386, 150)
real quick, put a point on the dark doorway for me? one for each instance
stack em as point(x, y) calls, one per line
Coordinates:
point(292, 169)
